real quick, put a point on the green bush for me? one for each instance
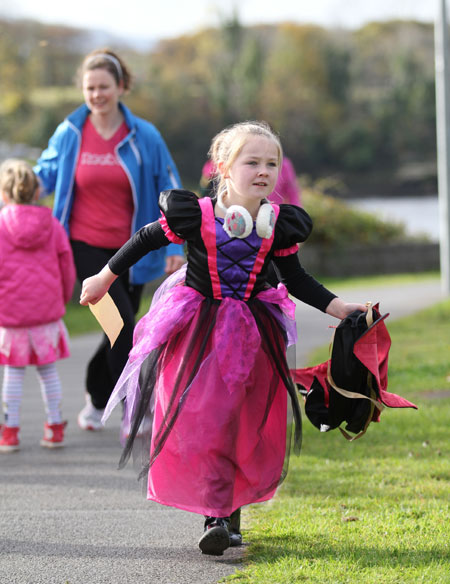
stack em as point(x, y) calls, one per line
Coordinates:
point(337, 224)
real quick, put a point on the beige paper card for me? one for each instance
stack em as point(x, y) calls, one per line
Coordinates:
point(108, 316)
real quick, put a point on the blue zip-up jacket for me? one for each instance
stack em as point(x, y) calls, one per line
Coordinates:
point(146, 161)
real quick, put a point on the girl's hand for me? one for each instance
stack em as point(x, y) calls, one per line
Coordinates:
point(340, 309)
point(95, 287)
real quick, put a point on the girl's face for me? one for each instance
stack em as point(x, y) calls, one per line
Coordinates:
point(253, 174)
point(101, 92)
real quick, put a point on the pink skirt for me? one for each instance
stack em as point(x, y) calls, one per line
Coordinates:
point(35, 345)
point(206, 396)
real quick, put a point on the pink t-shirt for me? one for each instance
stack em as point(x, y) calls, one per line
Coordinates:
point(103, 206)
point(286, 190)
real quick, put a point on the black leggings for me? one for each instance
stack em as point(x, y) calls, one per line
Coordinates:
point(106, 365)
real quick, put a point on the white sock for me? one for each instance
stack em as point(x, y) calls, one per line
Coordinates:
point(51, 392)
point(12, 394)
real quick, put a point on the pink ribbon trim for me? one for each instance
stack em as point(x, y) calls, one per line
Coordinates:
point(287, 251)
point(208, 230)
point(262, 253)
point(171, 236)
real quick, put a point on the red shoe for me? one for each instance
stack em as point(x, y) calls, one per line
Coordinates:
point(53, 435)
point(9, 440)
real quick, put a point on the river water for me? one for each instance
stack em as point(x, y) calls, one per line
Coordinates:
point(419, 214)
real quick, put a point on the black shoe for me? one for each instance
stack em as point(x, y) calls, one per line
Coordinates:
point(216, 539)
point(235, 528)
point(235, 539)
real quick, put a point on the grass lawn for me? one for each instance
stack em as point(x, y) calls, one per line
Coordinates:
point(375, 510)
point(371, 511)
point(379, 280)
point(79, 319)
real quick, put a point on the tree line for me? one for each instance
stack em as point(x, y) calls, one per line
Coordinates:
point(357, 104)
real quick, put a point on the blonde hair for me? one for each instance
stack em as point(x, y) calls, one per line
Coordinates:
point(227, 144)
point(108, 60)
point(18, 181)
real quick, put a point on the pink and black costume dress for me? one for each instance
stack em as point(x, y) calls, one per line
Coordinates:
point(207, 384)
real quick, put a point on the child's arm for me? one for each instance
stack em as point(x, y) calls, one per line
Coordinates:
point(95, 287)
point(66, 263)
point(307, 289)
point(340, 309)
point(147, 239)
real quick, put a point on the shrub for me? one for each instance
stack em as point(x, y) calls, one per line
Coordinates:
point(337, 224)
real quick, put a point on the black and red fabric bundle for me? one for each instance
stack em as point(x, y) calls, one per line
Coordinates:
point(351, 387)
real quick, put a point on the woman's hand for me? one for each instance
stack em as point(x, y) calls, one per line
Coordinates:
point(95, 287)
point(340, 309)
point(174, 263)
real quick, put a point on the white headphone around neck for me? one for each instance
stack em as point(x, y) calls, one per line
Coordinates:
point(239, 223)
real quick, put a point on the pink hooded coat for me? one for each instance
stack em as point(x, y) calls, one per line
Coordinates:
point(37, 273)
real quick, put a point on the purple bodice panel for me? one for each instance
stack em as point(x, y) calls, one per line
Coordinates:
point(235, 261)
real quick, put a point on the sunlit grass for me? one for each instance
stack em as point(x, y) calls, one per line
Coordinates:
point(79, 319)
point(379, 280)
point(375, 510)
point(372, 511)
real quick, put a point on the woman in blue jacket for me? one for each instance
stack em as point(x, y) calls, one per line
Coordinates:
point(106, 168)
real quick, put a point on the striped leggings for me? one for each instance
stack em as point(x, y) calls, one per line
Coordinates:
point(12, 391)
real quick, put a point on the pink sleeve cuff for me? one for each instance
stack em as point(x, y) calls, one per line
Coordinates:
point(287, 251)
point(168, 232)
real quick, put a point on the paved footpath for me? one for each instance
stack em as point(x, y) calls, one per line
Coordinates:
point(68, 516)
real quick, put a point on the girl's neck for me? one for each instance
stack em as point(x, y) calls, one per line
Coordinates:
point(108, 124)
point(252, 205)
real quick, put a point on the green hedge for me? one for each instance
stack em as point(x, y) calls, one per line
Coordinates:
point(337, 224)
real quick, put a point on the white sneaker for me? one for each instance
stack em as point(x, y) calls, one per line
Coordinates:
point(90, 418)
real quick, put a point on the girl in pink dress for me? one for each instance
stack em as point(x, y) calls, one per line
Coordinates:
point(37, 275)
point(207, 387)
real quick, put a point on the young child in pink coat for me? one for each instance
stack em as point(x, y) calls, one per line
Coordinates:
point(37, 275)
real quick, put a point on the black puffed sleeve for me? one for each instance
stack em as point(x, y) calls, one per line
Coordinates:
point(293, 226)
point(182, 216)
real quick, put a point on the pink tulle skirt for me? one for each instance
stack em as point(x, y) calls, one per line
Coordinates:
point(206, 383)
point(35, 345)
